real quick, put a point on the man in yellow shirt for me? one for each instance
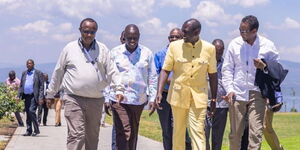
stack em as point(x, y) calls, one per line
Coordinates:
point(190, 60)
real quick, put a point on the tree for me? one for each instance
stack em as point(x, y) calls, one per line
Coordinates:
point(9, 102)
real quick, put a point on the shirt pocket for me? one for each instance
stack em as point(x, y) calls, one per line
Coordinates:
point(181, 65)
point(201, 64)
point(122, 66)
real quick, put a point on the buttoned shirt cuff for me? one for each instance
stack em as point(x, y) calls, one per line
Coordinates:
point(229, 91)
point(50, 96)
point(151, 98)
point(119, 92)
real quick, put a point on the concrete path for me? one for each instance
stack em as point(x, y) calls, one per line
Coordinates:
point(54, 138)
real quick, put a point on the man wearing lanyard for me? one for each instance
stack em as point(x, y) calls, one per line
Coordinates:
point(83, 70)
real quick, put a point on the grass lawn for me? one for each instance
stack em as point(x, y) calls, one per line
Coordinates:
point(286, 125)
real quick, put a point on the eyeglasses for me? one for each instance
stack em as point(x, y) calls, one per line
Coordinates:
point(244, 31)
point(88, 32)
point(175, 36)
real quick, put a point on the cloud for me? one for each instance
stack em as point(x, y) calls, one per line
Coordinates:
point(64, 37)
point(290, 53)
point(213, 14)
point(288, 23)
point(246, 3)
point(78, 9)
point(178, 3)
point(38, 31)
point(41, 26)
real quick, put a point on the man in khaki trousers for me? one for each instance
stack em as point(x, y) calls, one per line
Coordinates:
point(83, 70)
point(241, 60)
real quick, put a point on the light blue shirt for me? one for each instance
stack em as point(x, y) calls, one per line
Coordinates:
point(138, 74)
point(28, 87)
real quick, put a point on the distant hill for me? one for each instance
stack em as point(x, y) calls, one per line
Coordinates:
point(290, 86)
point(46, 68)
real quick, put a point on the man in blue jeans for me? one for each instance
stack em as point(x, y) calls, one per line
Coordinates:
point(165, 114)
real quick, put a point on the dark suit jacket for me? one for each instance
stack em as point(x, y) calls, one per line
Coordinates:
point(38, 85)
point(269, 83)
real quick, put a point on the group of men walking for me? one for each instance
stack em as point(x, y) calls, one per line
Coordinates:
point(174, 82)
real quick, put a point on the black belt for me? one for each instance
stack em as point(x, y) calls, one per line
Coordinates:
point(29, 94)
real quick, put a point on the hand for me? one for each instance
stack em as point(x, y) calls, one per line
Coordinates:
point(212, 111)
point(107, 108)
point(258, 63)
point(276, 107)
point(155, 105)
point(48, 103)
point(119, 98)
point(230, 98)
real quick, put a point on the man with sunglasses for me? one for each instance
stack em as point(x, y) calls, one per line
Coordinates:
point(241, 60)
point(83, 70)
point(165, 114)
point(190, 60)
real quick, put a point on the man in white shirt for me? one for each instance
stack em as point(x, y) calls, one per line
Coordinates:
point(241, 60)
point(83, 70)
point(137, 69)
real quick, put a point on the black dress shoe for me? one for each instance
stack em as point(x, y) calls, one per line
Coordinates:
point(44, 124)
point(35, 133)
point(58, 124)
point(27, 134)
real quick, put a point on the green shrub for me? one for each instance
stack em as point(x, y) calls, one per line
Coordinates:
point(9, 102)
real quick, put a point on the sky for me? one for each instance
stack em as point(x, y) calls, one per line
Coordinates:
point(39, 29)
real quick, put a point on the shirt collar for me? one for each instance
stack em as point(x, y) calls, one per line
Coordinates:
point(30, 72)
point(93, 47)
point(197, 44)
point(136, 51)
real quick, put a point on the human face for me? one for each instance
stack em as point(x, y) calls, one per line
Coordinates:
point(12, 76)
point(175, 35)
point(29, 65)
point(247, 34)
point(88, 31)
point(189, 35)
point(132, 37)
point(46, 77)
point(219, 50)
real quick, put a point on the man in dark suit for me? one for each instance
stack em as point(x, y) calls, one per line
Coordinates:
point(31, 89)
point(43, 107)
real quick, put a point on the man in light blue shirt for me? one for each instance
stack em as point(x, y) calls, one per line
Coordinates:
point(137, 70)
point(31, 89)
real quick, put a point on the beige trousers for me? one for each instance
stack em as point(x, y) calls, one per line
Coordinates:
point(195, 117)
point(83, 121)
point(254, 109)
point(269, 132)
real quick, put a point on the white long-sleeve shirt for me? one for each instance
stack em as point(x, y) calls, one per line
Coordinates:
point(138, 74)
point(76, 75)
point(238, 72)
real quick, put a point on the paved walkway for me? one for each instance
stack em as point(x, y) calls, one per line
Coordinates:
point(54, 138)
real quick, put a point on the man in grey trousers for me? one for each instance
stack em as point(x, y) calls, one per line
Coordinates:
point(83, 70)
